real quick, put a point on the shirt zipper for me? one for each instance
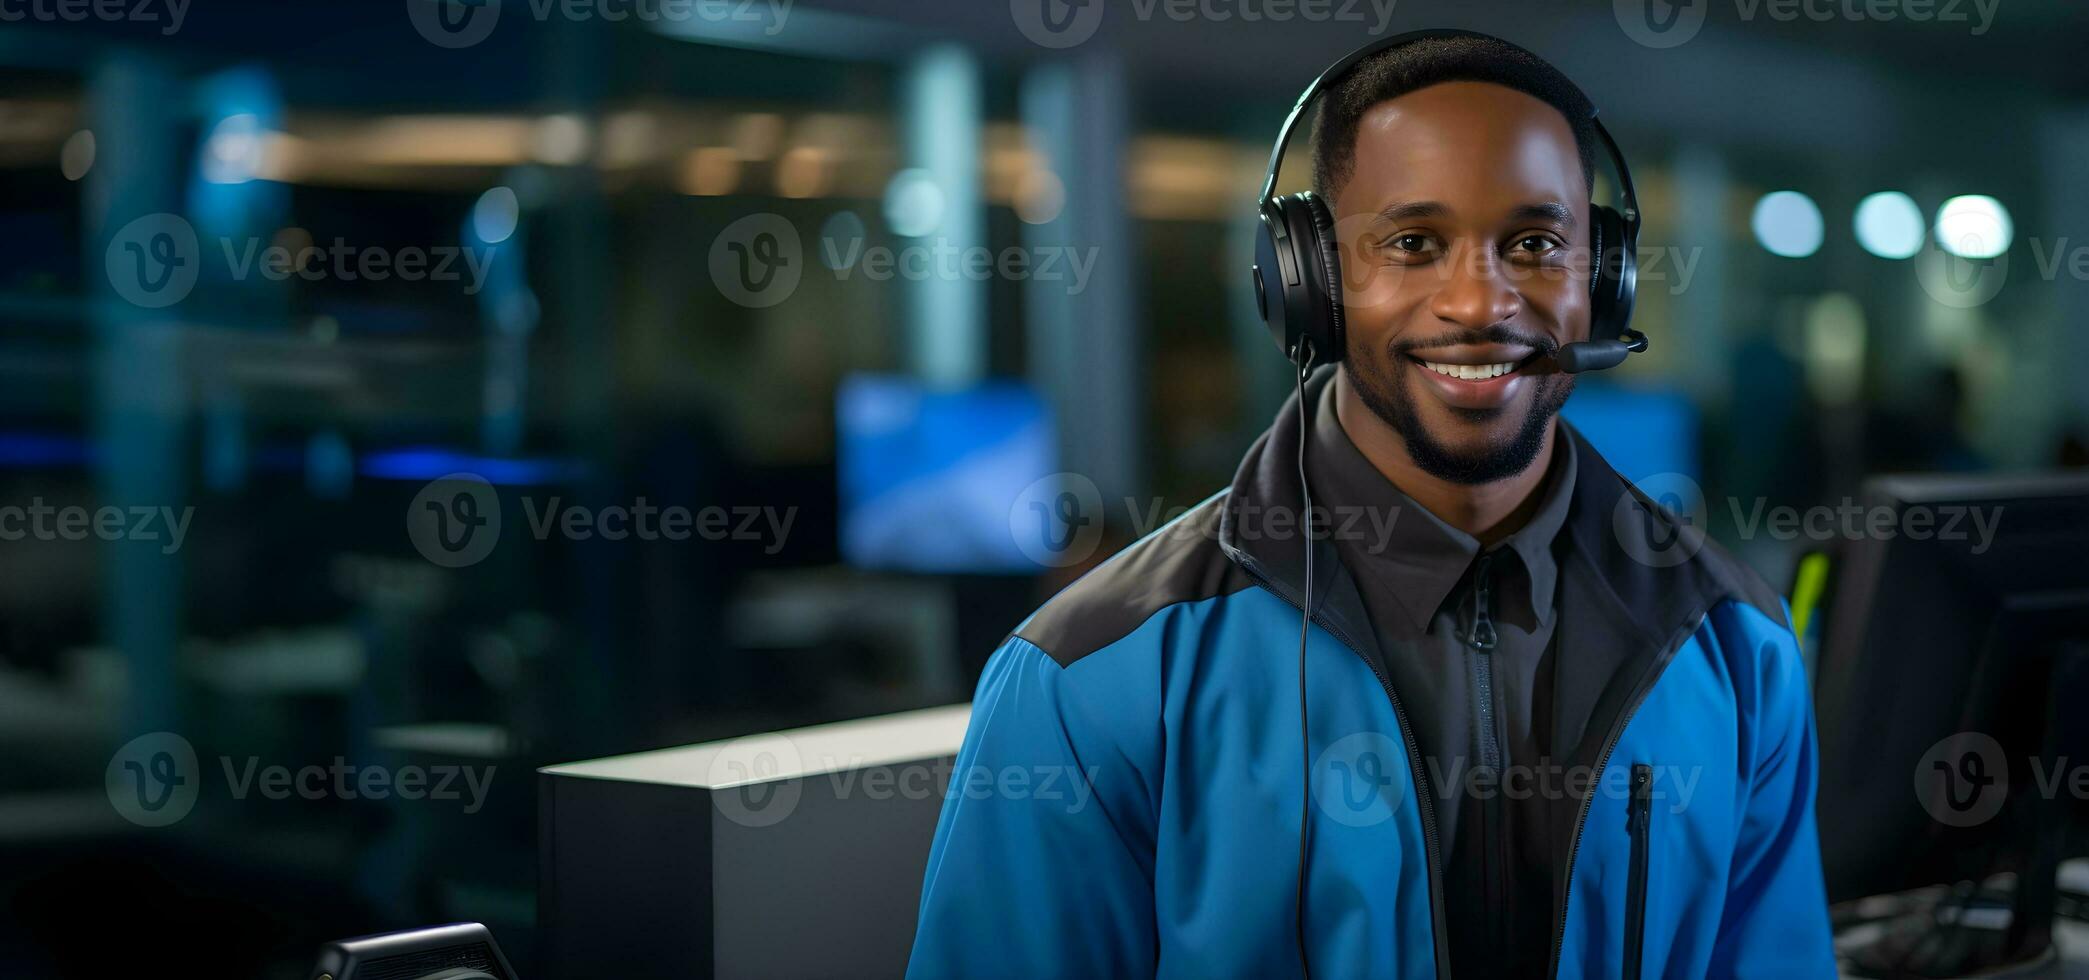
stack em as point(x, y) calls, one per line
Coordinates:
point(1481, 638)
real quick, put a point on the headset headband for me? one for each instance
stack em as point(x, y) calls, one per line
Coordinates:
point(1629, 207)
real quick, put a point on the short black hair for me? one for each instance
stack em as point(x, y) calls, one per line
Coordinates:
point(1419, 64)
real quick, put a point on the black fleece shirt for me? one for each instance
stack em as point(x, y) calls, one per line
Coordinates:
point(1467, 637)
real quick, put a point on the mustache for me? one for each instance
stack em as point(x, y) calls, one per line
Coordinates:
point(1496, 334)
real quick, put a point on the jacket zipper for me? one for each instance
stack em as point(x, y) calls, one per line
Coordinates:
point(1636, 895)
point(1610, 742)
point(1417, 779)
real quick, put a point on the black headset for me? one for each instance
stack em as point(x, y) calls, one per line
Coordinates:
point(1298, 284)
point(1298, 273)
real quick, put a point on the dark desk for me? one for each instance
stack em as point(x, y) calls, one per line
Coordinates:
point(793, 854)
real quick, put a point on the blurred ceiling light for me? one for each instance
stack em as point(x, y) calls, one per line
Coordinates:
point(1889, 225)
point(710, 171)
point(1974, 226)
point(756, 135)
point(76, 157)
point(560, 140)
point(232, 152)
point(284, 158)
point(1788, 223)
point(913, 203)
point(831, 131)
point(802, 172)
point(438, 140)
point(1173, 178)
point(1039, 196)
point(1834, 362)
point(494, 217)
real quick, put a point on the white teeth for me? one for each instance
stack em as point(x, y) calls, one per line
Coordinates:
point(1471, 372)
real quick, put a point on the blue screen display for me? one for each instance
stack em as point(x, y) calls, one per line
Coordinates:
point(928, 476)
point(1643, 432)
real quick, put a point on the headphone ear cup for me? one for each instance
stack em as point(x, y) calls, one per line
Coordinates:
point(1298, 277)
point(1613, 276)
point(1331, 338)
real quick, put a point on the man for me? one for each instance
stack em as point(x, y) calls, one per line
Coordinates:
point(1551, 732)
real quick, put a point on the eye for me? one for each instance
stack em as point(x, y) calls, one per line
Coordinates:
point(1411, 244)
point(1534, 247)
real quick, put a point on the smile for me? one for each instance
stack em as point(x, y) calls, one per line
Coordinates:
point(1474, 376)
point(1471, 372)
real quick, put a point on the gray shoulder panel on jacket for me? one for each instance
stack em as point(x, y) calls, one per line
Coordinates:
point(1180, 562)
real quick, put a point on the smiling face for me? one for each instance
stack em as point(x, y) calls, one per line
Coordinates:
point(1464, 236)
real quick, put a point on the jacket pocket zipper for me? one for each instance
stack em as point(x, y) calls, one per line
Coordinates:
point(1636, 896)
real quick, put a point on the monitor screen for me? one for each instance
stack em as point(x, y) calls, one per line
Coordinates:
point(1642, 432)
point(928, 475)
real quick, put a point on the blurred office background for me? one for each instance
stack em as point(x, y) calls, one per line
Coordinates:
point(843, 280)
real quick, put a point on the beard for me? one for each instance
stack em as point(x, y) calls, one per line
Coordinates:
point(1389, 397)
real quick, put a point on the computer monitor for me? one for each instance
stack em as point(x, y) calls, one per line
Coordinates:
point(929, 475)
point(1642, 432)
point(1956, 637)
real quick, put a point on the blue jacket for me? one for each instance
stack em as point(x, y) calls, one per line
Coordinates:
point(1127, 799)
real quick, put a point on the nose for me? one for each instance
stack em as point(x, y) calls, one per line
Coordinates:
point(1474, 294)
